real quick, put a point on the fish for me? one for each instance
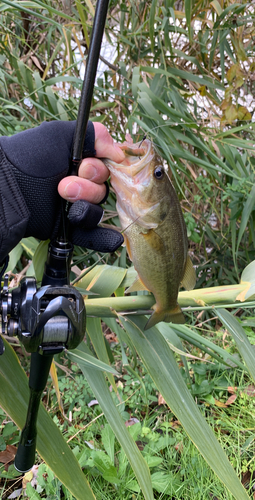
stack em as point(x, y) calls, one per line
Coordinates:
point(154, 229)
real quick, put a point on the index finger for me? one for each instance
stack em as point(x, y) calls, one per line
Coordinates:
point(105, 146)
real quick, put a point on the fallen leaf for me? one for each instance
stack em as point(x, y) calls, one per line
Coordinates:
point(30, 477)
point(15, 494)
point(247, 478)
point(27, 478)
point(7, 456)
point(175, 423)
point(220, 404)
point(140, 445)
point(249, 390)
point(232, 390)
point(202, 90)
point(179, 447)
point(131, 421)
point(37, 62)
point(93, 402)
point(111, 337)
point(231, 399)
point(216, 148)
point(161, 400)
point(224, 105)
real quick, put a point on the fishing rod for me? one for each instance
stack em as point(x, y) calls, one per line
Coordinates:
point(52, 318)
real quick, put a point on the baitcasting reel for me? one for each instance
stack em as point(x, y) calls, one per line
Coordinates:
point(46, 320)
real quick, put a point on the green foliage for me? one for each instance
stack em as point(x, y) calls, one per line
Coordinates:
point(47, 486)
point(76, 396)
point(183, 74)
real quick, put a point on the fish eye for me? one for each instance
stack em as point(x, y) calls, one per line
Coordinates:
point(159, 172)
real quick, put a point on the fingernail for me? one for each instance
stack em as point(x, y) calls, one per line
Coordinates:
point(119, 150)
point(72, 190)
point(89, 172)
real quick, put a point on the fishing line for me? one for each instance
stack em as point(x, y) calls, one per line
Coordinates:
point(142, 140)
point(86, 271)
point(157, 145)
point(145, 137)
point(64, 232)
point(161, 147)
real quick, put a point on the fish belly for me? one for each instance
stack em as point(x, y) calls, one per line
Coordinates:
point(159, 259)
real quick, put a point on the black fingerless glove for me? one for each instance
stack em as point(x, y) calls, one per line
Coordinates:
point(32, 163)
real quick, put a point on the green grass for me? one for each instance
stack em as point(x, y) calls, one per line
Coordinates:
point(177, 468)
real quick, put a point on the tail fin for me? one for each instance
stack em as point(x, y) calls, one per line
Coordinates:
point(173, 315)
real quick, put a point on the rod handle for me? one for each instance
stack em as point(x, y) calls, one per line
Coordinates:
point(39, 371)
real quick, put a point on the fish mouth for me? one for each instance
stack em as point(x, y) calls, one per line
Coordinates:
point(136, 158)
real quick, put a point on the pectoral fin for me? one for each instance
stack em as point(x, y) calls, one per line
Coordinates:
point(126, 242)
point(154, 240)
point(189, 277)
point(136, 286)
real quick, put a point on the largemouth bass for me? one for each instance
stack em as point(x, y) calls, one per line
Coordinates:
point(154, 228)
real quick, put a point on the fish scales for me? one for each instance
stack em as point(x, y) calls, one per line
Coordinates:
point(154, 228)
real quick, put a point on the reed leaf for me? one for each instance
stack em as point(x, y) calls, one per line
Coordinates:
point(100, 389)
point(236, 330)
point(51, 445)
point(160, 363)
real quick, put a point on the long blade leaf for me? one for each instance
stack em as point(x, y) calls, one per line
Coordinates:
point(100, 388)
point(51, 445)
point(160, 363)
point(236, 330)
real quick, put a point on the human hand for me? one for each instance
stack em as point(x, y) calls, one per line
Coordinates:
point(93, 173)
point(32, 165)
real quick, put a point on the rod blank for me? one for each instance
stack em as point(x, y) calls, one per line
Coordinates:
point(88, 83)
